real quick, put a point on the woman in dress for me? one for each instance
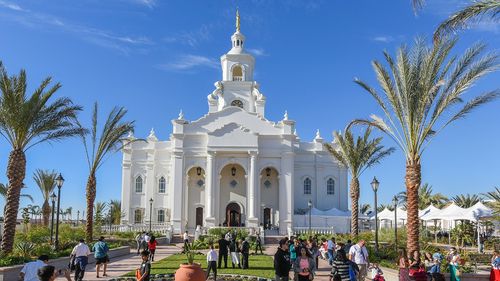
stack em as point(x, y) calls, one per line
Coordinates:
point(403, 264)
point(304, 266)
point(495, 266)
point(454, 262)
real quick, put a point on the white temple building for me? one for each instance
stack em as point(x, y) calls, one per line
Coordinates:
point(232, 166)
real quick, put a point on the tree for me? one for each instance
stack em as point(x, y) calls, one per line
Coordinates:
point(467, 200)
point(423, 92)
point(69, 212)
point(116, 211)
point(476, 11)
point(493, 195)
point(365, 208)
point(46, 181)
point(4, 188)
point(26, 121)
point(99, 213)
point(111, 139)
point(426, 197)
point(357, 155)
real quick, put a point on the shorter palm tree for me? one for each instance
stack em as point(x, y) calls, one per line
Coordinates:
point(116, 211)
point(365, 208)
point(493, 195)
point(46, 181)
point(426, 197)
point(467, 200)
point(5, 187)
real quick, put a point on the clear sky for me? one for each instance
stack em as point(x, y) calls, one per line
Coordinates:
point(157, 57)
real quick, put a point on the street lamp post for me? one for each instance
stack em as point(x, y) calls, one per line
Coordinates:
point(150, 213)
point(310, 204)
point(375, 183)
point(395, 201)
point(59, 183)
point(53, 197)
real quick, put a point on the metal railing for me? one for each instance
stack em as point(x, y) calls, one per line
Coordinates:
point(318, 230)
point(163, 228)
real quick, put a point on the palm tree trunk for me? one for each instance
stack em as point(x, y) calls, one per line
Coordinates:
point(46, 213)
point(412, 180)
point(91, 192)
point(354, 207)
point(16, 171)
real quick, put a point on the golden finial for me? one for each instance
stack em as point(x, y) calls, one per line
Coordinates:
point(237, 20)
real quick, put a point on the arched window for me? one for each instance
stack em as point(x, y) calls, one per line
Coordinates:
point(138, 184)
point(237, 73)
point(330, 186)
point(307, 186)
point(237, 103)
point(161, 185)
point(161, 215)
point(138, 216)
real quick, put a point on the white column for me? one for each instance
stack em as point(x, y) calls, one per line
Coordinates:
point(286, 198)
point(252, 186)
point(127, 188)
point(210, 191)
point(176, 190)
point(149, 193)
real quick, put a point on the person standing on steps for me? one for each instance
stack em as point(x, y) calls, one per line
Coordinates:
point(282, 263)
point(81, 253)
point(101, 256)
point(212, 262)
point(223, 249)
point(258, 244)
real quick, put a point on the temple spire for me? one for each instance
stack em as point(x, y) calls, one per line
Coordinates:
point(237, 20)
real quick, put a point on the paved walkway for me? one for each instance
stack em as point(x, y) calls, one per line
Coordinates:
point(124, 264)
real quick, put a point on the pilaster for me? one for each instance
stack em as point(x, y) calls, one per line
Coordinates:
point(210, 190)
point(286, 188)
point(176, 191)
point(252, 186)
point(126, 190)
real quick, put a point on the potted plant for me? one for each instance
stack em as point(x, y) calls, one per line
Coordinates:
point(190, 271)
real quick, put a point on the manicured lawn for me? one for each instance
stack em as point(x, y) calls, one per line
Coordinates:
point(260, 265)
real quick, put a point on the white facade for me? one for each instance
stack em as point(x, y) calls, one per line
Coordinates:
point(232, 166)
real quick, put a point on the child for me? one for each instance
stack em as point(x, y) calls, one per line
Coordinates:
point(152, 247)
point(211, 262)
point(376, 272)
point(144, 271)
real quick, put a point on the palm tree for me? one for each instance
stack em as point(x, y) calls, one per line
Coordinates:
point(99, 212)
point(46, 181)
point(110, 140)
point(69, 212)
point(381, 207)
point(116, 211)
point(4, 188)
point(474, 12)
point(422, 89)
point(357, 155)
point(365, 208)
point(467, 200)
point(26, 121)
point(426, 197)
point(493, 195)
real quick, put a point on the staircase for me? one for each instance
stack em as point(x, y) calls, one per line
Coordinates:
point(176, 239)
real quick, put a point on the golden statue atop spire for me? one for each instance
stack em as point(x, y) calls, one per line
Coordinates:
point(237, 20)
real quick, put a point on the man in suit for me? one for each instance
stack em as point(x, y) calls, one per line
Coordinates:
point(223, 249)
point(245, 251)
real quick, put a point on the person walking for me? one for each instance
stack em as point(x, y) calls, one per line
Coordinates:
point(282, 262)
point(49, 273)
point(81, 253)
point(245, 252)
point(293, 250)
point(223, 249)
point(359, 255)
point(152, 247)
point(341, 265)
point(138, 239)
point(403, 264)
point(30, 269)
point(186, 241)
point(258, 244)
point(454, 263)
point(144, 271)
point(304, 266)
point(234, 250)
point(211, 262)
point(101, 256)
point(331, 250)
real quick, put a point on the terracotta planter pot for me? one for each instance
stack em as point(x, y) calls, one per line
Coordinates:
point(190, 272)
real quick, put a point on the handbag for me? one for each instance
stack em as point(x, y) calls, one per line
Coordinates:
point(71, 264)
point(138, 274)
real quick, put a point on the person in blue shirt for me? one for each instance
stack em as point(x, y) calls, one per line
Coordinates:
point(101, 256)
point(331, 250)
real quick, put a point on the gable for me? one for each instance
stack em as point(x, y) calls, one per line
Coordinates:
point(232, 115)
point(232, 135)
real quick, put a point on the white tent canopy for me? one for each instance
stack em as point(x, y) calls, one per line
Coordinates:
point(334, 212)
point(476, 212)
point(386, 214)
point(449, 213)
point(430, 210)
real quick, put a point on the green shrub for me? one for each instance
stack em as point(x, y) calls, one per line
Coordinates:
point(38, 234)
point(12, 260)
point(126, 235)
point(44, 249)
point(216, 233)
point(25, 249)
point(71, 235)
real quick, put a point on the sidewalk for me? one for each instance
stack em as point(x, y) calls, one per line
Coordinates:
point(124, 264)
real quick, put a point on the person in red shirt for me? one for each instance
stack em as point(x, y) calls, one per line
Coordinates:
point(152, 248)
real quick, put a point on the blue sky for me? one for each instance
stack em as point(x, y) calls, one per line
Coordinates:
point(157, 57)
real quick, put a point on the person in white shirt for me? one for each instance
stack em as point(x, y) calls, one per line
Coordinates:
point(80, 253)
point(359, 255)
point(186, 241)
point(211, 262)
point(30, 270)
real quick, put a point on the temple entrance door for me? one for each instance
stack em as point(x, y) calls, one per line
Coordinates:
point(233, 214)
point(199, 216)
point(267, 218)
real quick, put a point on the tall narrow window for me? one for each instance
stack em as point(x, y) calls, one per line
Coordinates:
point(138, 216)
point(161, 185)
point(237, 73)
point(138, 184)
point(307, 186)
point(161, 215)
point(330, 186)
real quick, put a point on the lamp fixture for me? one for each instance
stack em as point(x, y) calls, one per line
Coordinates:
point(233, 171)
point(198, 171)
point(268, 172)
